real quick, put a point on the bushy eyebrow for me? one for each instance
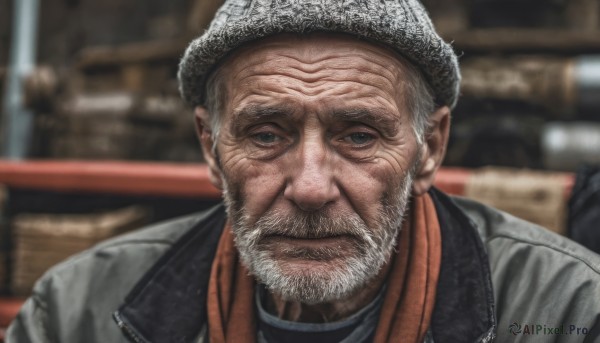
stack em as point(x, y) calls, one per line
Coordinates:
point(257, 113)
point(381, 120)
point(378, 119)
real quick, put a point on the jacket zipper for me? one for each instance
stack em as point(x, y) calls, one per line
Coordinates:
point(489, 337)
point(129, 333)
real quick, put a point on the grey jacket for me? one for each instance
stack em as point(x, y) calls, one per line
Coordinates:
point(501, 280)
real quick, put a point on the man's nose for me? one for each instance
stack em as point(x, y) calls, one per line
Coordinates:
point(311, 184)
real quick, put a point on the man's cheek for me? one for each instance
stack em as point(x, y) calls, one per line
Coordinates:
point(259, 192)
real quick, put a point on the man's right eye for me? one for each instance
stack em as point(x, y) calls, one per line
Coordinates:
point(265, 137)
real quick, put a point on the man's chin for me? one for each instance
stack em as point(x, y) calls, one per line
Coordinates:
point(312, 281)
point(312, 290)
point(313, 268)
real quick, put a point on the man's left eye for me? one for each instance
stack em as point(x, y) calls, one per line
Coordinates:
point(359, 138)
point(265, 137)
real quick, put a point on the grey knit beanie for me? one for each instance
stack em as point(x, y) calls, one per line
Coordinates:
point(401, 24)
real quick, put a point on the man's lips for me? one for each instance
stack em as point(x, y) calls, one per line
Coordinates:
point(289, 242)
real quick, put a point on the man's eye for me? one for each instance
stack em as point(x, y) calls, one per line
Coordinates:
point(359, 138)
point(265, 137)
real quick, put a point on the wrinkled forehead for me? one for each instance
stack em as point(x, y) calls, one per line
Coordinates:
point(317, 56)
point(314, 46)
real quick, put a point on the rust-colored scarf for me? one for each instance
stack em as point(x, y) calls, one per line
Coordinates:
point(409, 299)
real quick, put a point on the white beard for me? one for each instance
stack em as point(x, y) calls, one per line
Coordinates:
point(374, 246)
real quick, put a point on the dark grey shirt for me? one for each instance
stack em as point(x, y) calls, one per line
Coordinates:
point(358, 328)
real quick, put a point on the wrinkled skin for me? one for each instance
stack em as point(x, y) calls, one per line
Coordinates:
point(318, 123)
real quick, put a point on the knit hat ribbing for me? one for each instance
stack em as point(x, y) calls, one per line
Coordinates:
point(400, 24)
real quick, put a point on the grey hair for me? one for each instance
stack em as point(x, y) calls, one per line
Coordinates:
point(216, 93)
point(420, 100)
point(418, 96)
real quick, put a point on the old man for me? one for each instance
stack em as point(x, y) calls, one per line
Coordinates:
point(324, 123)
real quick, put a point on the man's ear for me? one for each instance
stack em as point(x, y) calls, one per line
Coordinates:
point(433, 150)
point(204, 132)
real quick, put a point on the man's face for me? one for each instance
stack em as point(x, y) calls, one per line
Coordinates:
point(316, 150)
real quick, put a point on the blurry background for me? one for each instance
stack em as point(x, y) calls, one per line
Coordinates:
point(96, 81)
point(102, 79)
point(103, 82)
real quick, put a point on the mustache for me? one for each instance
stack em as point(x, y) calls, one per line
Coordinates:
point(310, 225)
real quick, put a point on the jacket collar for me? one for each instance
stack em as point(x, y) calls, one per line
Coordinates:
point(464, 309)
point(169, 303)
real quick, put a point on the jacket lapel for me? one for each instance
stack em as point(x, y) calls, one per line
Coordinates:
point(464, 309)
point(169, 303)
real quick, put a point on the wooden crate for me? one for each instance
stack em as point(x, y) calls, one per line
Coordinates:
point(43, 240)
point(538, 197)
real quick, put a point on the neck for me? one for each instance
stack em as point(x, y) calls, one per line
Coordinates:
point(326, 312)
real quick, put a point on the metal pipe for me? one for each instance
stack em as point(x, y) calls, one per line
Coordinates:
point(17, 119)
point(587, 74)
point(567, 146)
point(563, 85)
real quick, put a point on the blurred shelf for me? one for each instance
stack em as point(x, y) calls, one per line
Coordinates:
point(161, 179)
point(132, 53)
point(510, 39)
point(123, 178)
